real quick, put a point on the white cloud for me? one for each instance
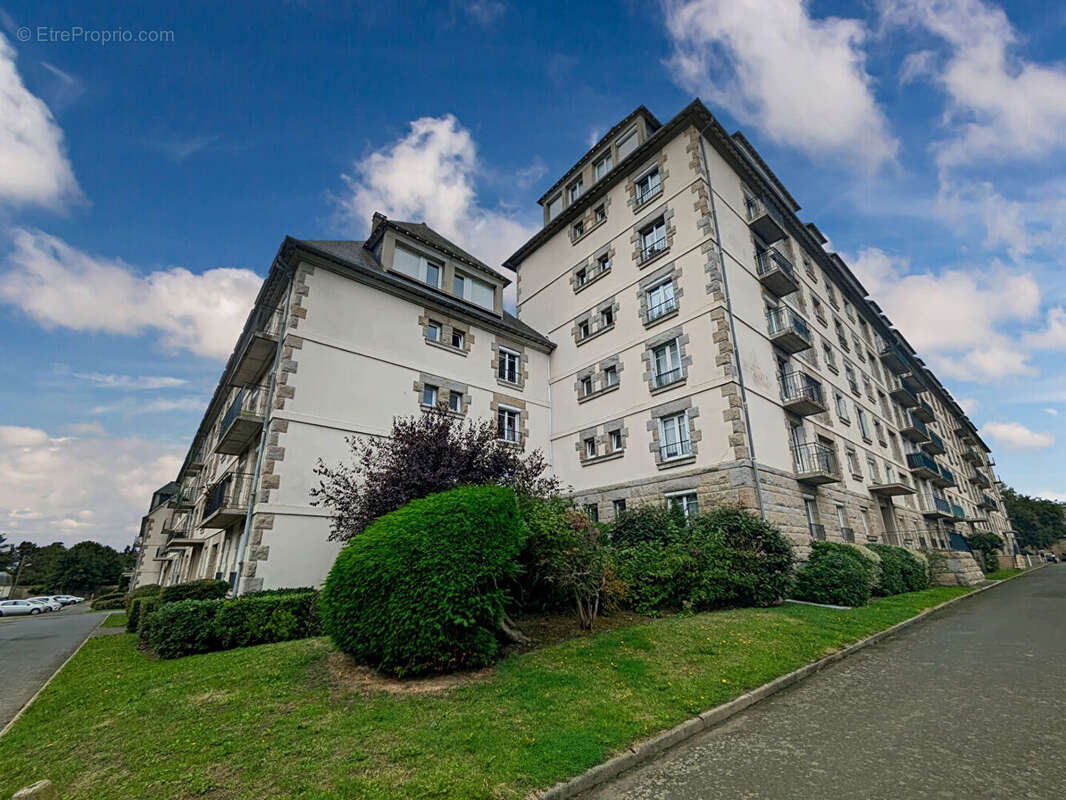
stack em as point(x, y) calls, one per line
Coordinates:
point(60, 286)
point(159, 406)
point(72, 488)
point(484, 12)
point(954, 318)
point(34, 168)
point(1052, 411)
point(129, 382)
point(1047, 494)
point(429, 175)
point(970, 405)
point(1015, 436)
point(801, 80)
point(1053, 335)
point(1001, 105)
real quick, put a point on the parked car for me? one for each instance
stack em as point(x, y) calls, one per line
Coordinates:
point(48, 602)
point(68, 599)
point(14, 608)
point(1050, 558)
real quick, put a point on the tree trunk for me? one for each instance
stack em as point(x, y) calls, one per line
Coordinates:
point(512, 633)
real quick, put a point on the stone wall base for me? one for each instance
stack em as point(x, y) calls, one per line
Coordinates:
point(1012, 562)
point(957, 569)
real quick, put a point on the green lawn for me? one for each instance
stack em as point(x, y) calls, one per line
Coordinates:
point(116, 620)
point(1003, 574)
point(277, 721)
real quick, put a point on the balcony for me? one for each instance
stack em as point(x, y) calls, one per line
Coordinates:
point(957, 511)
point(987, 503)
point(945, 478)
point(801, 394)
point(914, 430)
point(902, 395)
point(764, 220)
point(935, 445)
point(924, 411)
point(936, 507)
point(675, 450)
point(652, 248)
point(788, 330)
point(227, 502)
point(256, 350)
point(980, 479)
point(893, 489)
point(182, 500)
point(776, 272)
point(242, 422)
point(817, 532)
point(816, 464)
point(913, 383)
point(971, 455)
point(923, 466)
point(892, 358)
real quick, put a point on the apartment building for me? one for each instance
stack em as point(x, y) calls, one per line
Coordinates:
point(711, 350)
point(343, 337)
point(681, 335)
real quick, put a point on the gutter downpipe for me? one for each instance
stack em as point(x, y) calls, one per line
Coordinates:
point(732, 324)
point(246, 533)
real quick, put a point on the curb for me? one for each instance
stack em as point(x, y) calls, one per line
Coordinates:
point(37, 694)
point(645, 751)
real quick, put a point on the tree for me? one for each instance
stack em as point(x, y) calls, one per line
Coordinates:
point(987, 544)
point(87, 566)
point(1038, 523)
point(38, 564)
point(432, 452)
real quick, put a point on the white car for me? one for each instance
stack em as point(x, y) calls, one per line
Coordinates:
point(14, 608)
point(50, 603)
point(68, 599)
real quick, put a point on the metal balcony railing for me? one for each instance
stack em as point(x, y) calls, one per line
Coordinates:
point(937, 505)
point(924, 411)
point(782, 321)
point(915, 430)
point(935, 445)
point(798, 386)
point(652, 249)
point(667, 377)
point(923, 464)
point(815, 458)
point(764, 219)
point(987, 503)
point(817, 532)
point(233, 492)
point(957, 511)
point(662, 308)
point(847, 534)
point(647, 189)
point(948, 477)
point(677, 449)
point(776, 271)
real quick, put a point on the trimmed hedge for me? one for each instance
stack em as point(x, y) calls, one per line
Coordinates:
point(893, 563)
point(834, 577)
point(186, 627)
point(206, 589)
point(420, 589)
point(110, 602)
point(916, 571)
point(181, 628)
point(148, 590)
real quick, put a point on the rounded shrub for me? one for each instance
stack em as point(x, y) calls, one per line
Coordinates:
point(205, 589)
point(656, 575)
point(893, 563)
point(109, 603)
point(915, 571)
point(265, 617)
point(650, 523)
point(835, 578)
point(420, 589)
point(181, 628)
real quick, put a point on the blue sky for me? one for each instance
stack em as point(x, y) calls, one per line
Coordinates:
point(145, 186)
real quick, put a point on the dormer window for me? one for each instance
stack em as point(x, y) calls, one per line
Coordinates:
point(474, 290)
point(603, 166)
point(575, 190)
point(417, 266)
point(555, 205)
point(627, 143)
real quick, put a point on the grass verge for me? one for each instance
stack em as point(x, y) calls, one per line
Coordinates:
point(1003, 574)
point(114, 621)
point(278, 721)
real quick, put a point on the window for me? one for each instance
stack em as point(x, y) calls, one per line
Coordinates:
point(864, 425)
point(852, 380)
point(581, 276)
point(858, 347)
point(417, 266)
point(848, 311)
point(606, 317)
point(842, 520)
point(653, 239)
point(457, 339)
point(603, 261)
point(830, 294)
point(555, 205)
point(830, 358)
point(842, 337)
point(879, 428)
point(648, 185)
point(819, 309)
point(429, 395)
point(593, 512)
point(474, 290)
point(673, 437)
point(603, 166)
point(687, 502)
point(865, 329)
point(627, 143)
point(853, 461)
point(455, 402)
point(610, 376)
point(509, 365)
point(433, 331)
point(579, 229)
point(871, 468)
point(661, 300)
point(619, 506)
point(868, 387)
point(590, 448)
point(583, 329)
point(586, 386)
point(842, 407)
point(616, 440)
point(507, 424)
point(600, 213)
point(666, 363)
point(809, 268)
point(575, 189)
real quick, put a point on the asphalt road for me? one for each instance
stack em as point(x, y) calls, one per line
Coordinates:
point(969, 704)
point(32, 648)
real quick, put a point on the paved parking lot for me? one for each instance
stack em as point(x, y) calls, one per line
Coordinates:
point(32, 648)
point(968, 704)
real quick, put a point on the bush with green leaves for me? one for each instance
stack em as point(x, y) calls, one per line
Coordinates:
point(894, 562)
point(205, 589)
point(109, 602)
point(181, 628)
point(146, 605)
point(834, 577)
point(264, 617)
point(659, 524)
point(422, 588)
point(916, 573)
point(148, 590)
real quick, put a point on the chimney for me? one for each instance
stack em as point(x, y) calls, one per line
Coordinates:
point(377, 219)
